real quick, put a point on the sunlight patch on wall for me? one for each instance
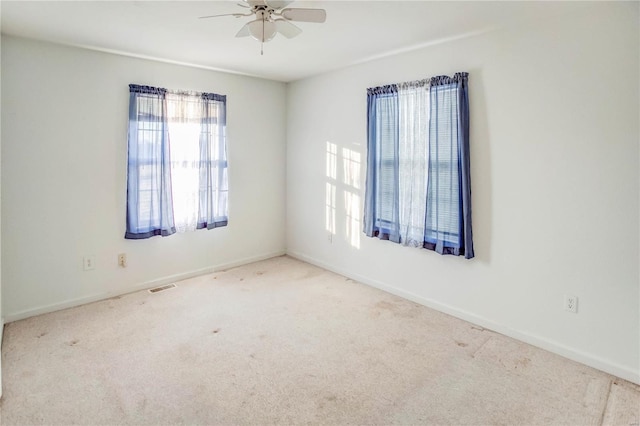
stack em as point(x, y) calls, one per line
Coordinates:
point(352, 219)
point(343, 209)
point(330, 191)
point(330, 208)
point(351, 167)
point(332, 160)
point(351, 178)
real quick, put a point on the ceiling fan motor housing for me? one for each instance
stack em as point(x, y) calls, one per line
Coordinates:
point(273, 17)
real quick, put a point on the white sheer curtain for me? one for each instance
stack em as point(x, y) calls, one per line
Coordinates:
point(184, 110)
point(413, 156)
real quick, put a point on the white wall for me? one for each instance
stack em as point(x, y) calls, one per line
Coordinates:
point(1, 316)
point(64, 156)
point(554, 157)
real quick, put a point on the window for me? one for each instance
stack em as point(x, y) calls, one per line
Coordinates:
point(418, 188)
point(177, 166)
point(443, 197)
point(386, 127)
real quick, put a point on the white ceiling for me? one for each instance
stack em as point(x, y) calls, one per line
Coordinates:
point(355, 31)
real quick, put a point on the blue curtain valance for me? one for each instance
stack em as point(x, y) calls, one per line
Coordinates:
point(213, 97)
point(439, 80)
point(136, 88)
point(382, 90)
point(442, 80)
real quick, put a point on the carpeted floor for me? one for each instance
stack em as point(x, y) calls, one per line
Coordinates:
point(284, 342)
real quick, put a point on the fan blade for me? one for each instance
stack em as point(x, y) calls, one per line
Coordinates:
point(243, 4)
point(304, 15)
point(253, 3)
point(237, 15)
point(278, 4)
point(244, 31)
point(286, 28)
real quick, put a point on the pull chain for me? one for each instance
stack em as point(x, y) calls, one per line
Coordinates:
point(262, 40)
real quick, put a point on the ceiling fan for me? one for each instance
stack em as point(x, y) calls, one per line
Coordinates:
point(271, 17)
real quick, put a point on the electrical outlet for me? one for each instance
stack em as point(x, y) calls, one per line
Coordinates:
point(330, 237)
point(571, 303)
point(122, 260)
point(89, 263)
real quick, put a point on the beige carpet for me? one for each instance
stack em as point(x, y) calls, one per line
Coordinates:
point(284, 342)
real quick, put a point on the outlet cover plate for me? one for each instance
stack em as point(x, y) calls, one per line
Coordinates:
point(89, 263)
point(571, 303)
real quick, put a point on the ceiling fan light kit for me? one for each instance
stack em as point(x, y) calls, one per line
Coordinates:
point(261, 29)
point(273, 17)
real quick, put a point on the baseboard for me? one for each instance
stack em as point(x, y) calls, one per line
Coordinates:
point(1, 337)
point(540, 342)
point(70, 303)
point(248, 260)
